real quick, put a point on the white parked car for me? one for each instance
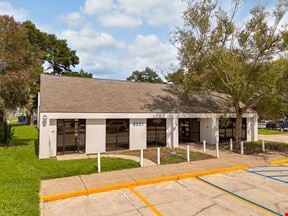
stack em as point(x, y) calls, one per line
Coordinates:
point(262, 123)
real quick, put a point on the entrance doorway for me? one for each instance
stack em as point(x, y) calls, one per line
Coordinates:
point(71, 136)
point(117, 134)
point(189, 130)
point(156, 132)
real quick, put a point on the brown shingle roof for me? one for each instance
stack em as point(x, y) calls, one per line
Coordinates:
point(74, 94)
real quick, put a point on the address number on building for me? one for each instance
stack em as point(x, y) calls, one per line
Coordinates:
point(138, 124)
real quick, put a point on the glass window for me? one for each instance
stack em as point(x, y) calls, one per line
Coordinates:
point(156, 132)
point(189, 130)
point(227, 129)
point(71, 136)
point(117, 134)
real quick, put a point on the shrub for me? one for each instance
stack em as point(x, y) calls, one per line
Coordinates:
point(8, 132)
point(256, 147)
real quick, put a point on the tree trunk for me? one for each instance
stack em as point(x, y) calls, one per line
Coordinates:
point(238, 133)
point(28, 116)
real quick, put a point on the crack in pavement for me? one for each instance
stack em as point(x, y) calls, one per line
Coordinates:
point(130, 202)
point(204, 209)
point(83, 183)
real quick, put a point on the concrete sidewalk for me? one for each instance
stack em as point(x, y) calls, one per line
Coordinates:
point(84, 182)
point(274, 138)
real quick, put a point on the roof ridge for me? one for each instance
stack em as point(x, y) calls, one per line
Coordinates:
point(107, 79)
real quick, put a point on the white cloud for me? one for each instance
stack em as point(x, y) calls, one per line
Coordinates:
point(72, 18)
point(92, 7)
point(88, 39)
point(103, 65)
point(150, 51)
point(133, 13)
point(104, 55)
point(6, 8)
point(154, 12)
point(120, 20)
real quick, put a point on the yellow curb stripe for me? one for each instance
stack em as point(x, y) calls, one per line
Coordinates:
point(111, 188)
point(238, 198)
point(278, 162)
point(144, 200)
point(157, 180)
point(64, 195)
point(139, 183)
point(210, 172)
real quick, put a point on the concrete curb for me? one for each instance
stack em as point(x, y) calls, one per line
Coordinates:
point(55, 197)
point(278, 162)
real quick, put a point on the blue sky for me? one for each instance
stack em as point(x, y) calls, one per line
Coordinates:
point(113, 37)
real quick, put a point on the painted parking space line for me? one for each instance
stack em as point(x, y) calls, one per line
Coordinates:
point(262, 208)
point(89, 191)
point(280, 170)
point(273, 176)
point(269, 177)
point(269, 172)
point(146, 202)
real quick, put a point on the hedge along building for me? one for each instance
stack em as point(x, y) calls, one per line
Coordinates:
point(95, 115)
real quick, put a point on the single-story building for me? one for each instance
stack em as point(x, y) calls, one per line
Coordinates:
point(83, 115)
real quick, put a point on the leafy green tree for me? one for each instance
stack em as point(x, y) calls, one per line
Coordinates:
point(53, 50)
point(19, 66)
point(15, 50)
point(81, 73)
point(277, 106)
point(147, 75)
point(176, 77)
point(218, 54)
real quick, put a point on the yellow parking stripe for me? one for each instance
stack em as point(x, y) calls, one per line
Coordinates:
point(147, 203)
point(279, 162)
point(143, 182)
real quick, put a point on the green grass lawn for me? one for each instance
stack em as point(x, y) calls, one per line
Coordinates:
point(265, 131)
point(21, 172)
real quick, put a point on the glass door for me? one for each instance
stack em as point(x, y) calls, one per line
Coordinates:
point(117, 134)
point(189, 130)
point(71, 135)
point(156, 132)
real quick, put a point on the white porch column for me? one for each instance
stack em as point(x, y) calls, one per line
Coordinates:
point(209, 129)
point(255, 128)
point(169, 132)
point(175, 132)
point(53, 137)
point(250, 127)
point(215, 129)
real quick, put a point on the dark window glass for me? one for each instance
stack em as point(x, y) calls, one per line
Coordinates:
point(189, 130)
point(71, 136)
point(227, 129)
point(156, 132)
point(117, 134)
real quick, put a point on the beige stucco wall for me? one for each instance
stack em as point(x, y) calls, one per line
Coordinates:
point(95, 136)
point(96, 129)
point(137, 134)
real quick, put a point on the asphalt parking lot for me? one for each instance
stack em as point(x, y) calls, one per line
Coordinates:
point(258, 191)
